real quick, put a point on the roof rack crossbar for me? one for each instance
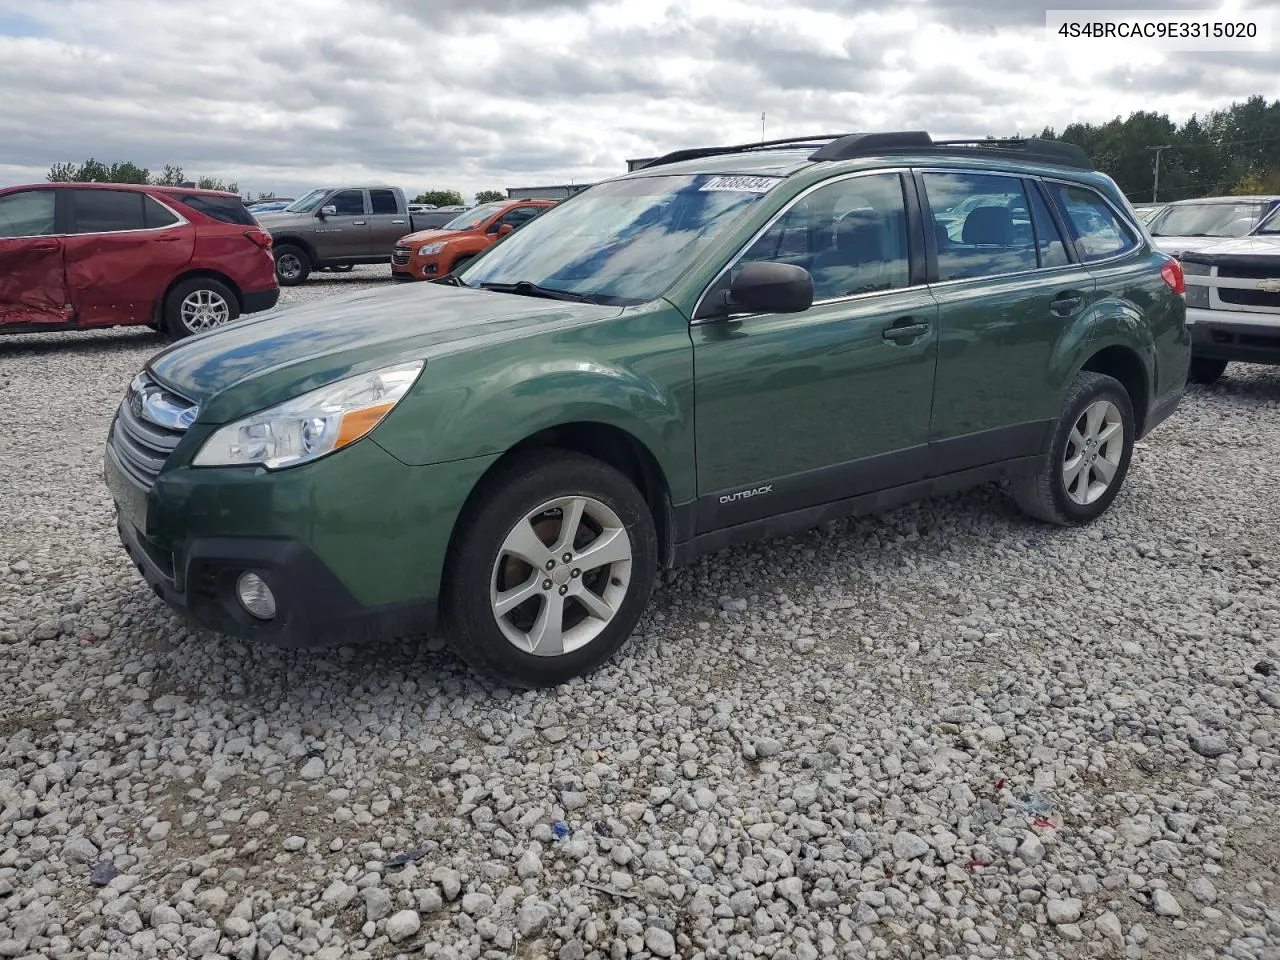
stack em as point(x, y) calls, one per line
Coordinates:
point(694, 153)
point(910, 141)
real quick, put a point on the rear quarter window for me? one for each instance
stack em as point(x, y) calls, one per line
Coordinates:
point(222, 209)
point(1097, 230)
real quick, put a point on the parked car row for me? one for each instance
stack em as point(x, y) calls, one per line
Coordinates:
point(728, 343)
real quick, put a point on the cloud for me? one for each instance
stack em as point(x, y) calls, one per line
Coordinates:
point(496, 93)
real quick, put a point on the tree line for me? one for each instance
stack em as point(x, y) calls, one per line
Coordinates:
point(1235, 150)
point(95, 171)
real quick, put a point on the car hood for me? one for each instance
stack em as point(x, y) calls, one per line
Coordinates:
point(426, 236)
point(1245, 246)
point(279, 217)
point(1179, 245)
point(276, 355)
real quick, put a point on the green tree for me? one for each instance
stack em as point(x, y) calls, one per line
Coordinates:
point(93, 171)
point(490, 196)
point(440, 198)
point(170, 177)
point(62, 173)
point(128, 173)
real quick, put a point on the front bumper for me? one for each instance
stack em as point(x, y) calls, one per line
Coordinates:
point(1243, 336)
point(352, 546)
point(315, 609)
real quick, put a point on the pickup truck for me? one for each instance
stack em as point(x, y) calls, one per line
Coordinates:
point(1233, 301)
point(334, 228)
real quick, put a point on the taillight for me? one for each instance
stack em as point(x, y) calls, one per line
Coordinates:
point(260, 237)
point(1171, 273)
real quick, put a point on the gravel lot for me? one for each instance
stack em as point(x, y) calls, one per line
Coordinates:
point(941, 731)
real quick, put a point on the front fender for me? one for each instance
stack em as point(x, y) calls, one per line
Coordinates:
point(633, 372)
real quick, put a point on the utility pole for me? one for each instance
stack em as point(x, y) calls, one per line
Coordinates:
point(762, 127)
point(1155, 185)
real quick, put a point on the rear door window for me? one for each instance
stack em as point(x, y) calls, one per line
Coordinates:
point(29, 213)
point(107, 211)
point(981, 224)
point(383, 201)
point(1099, 231)
point(222, 209)
point(157, 215)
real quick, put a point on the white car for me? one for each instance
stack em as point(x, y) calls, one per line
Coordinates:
point(1187, 225)
point(1233, 301)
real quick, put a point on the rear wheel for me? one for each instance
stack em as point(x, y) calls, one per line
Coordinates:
point(293, 266)
point(197, 305)
point(1206, 370)
point(1088, 458)
point(552, 568)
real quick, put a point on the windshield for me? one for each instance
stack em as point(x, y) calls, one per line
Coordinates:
point(307, 203)
point(473, 217)
point(623, 241)
point(1207, 220)
point(1271, 225)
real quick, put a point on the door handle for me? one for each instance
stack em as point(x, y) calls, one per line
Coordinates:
point(172, 239)
point(907, 328)
point(358, 223)
point(1065, 304)
point(45, 247)
point(397, 221)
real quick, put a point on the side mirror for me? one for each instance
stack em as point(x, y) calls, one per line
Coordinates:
point(328, 210)
point(504, 230)
point(765, 287)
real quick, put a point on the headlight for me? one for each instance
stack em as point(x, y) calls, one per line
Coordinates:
point(312, 425)
point(428, 249)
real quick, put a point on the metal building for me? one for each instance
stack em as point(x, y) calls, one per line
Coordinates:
point(558, 192)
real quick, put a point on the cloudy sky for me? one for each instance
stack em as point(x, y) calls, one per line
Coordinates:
point(499, 93)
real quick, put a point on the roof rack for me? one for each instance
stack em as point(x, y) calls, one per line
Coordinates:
point(694, 153)
point(918, 141)
point(846, 146)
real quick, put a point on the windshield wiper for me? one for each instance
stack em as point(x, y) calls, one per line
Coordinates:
point(525, 288)
point(451, 280)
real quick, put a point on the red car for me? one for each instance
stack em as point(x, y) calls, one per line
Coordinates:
point(80, 255)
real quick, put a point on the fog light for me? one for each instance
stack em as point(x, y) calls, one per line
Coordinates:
point(255, 596)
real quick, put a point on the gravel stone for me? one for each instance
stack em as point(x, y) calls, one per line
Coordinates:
point(709, 792)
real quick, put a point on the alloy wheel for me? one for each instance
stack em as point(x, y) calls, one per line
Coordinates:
point(1095, 447)
point(288, 267)
point(204, 310)
point(560, 576)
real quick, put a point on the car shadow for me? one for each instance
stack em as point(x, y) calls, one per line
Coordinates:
point(84, 342)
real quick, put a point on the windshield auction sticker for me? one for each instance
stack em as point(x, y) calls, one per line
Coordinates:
point(740, 184)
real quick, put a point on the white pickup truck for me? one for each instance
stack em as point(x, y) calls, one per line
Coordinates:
point(1233, 301)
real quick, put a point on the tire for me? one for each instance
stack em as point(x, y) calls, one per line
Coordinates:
point(198, 305)
point(1094, 404)
point(342, 268)
point(293, 266)
point(530, 489)
point(460, 263)
point(1206, 370)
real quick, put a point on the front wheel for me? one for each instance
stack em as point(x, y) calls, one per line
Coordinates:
point(553, 566)
point(1088, 458)
point(1206, 370)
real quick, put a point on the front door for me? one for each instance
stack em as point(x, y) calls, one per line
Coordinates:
point(1014, 309)
point(123, 249)
point(33, 282)
point(387, 222)
point(796, 410)
point(344, 235)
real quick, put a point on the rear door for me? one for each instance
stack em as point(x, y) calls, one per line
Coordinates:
point(344, 235)
point(1014, 307)
point(123, 249)
point(33, 282)
point(387, 222)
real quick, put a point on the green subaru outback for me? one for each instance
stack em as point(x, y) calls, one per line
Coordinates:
point(728, 343)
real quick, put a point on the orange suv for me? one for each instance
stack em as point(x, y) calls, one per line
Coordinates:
point(433, 253)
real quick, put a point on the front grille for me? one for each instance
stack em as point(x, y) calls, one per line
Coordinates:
point(148, 425)
point(1250, 271)
point(400, 255)
point(1249, 298)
